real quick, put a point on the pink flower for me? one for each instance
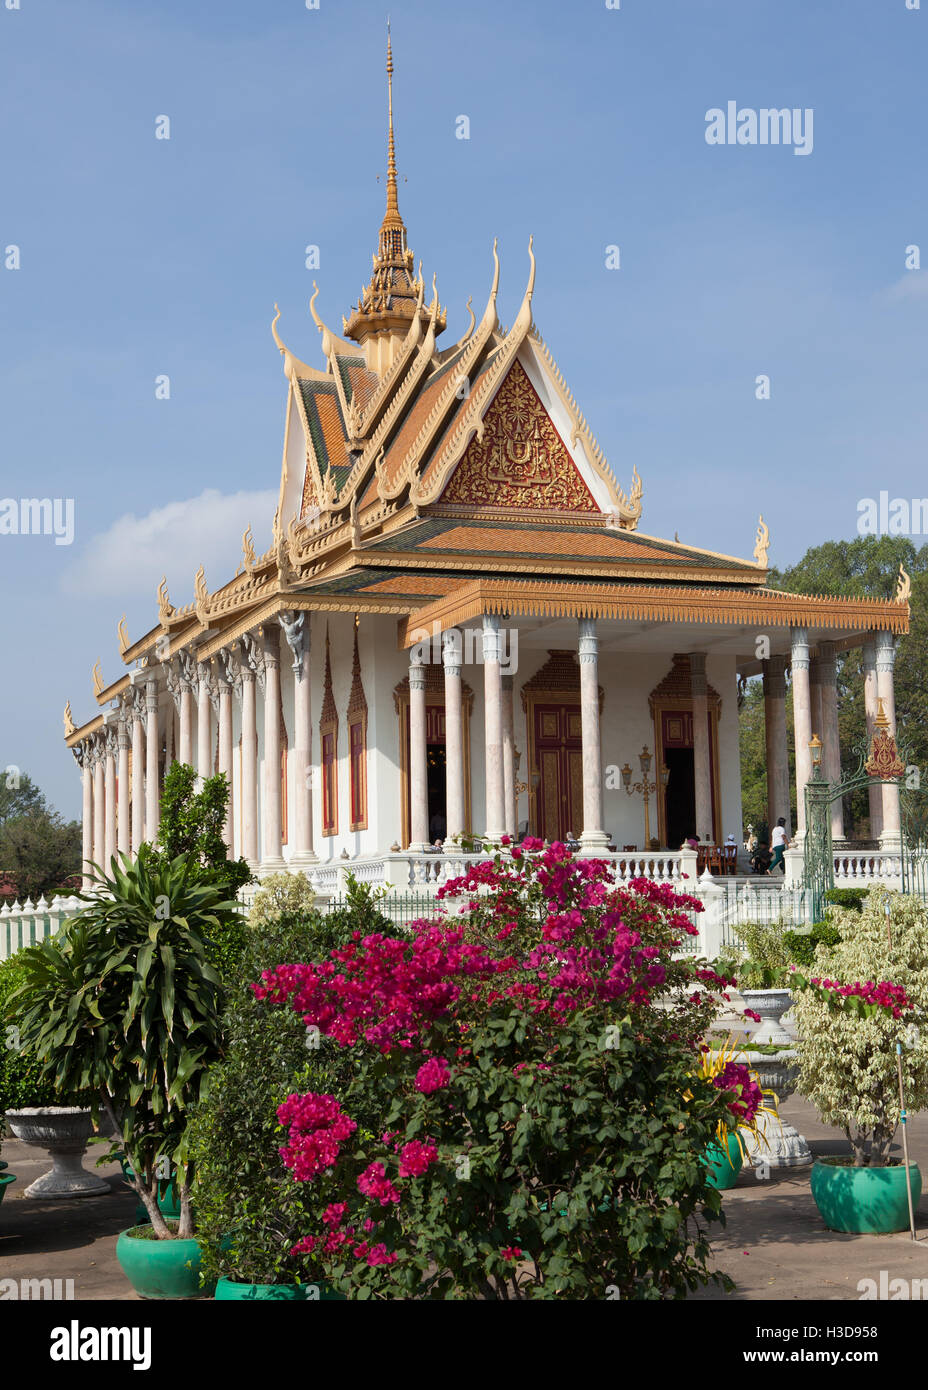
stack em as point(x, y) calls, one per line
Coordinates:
point(749, 1013)
point(433, 1075)
point(511, 1252)
point(379, 1255)
point(416, 1158)
point(334, 1214)
point(374, 1183)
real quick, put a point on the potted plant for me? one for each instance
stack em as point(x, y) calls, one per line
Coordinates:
point(742, 1130)
point(124, 1002)
point(868, 993)
point(36, 1112)
point(762, 979)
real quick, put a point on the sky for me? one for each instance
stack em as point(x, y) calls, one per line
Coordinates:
point(136, 258)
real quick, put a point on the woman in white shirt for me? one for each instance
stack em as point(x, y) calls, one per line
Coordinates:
point(779, 841)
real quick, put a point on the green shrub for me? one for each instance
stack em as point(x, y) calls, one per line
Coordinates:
point(21, 1081)
point(280, 895)
point(243, 1188)
point(851, 898)
point(802, 945)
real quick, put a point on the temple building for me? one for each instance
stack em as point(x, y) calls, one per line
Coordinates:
point(462, 625)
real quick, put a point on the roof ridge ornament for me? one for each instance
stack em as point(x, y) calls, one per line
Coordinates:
point(903, 586)
point(762, 543)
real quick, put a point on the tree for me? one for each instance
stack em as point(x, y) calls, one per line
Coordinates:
point(192, 822)
point(38, 849)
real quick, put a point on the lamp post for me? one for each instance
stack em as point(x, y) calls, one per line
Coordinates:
point(645, 787)
point(815, 751)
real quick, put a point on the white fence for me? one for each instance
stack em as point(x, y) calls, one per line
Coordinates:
point(25, 924)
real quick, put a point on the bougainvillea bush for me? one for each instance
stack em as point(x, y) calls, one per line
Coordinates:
point(525, 1117)
point(865, 994)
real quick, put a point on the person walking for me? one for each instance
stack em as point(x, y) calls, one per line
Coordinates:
point(779, 841)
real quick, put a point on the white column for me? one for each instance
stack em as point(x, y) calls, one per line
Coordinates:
point(249, 767)
point(99, 802)
point(702, 772)
point(885, 664)
point(871, 709)
point(138, 771)
point(109, 829)
point(418, 758)
point(272, 805)
point(299, 638)
point(815, 701)
point(122, 803)
point(778, 799)
point(802, 721)
point(493, 725)
point(83, 753)
point(831, 751)
point(152, 749)
point(204, 725)
point(454, 734)
point(593, 837)
point(509, 757)
point(187, 677)
point(224, 677)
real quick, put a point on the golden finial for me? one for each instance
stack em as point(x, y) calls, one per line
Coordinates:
point(97, 677)
point(762, 543)
point(68, 721)
point(199, 586)
point(312, 308)
point(392, 201)
point(122, 632)
point(903, 586)
point(881, 722)
point(164, 603)
point(274, 330)
point(248, 549)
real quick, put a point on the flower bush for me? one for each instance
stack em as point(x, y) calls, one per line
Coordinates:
point(849, 1030)
point(280, 893)
point(524, 1115)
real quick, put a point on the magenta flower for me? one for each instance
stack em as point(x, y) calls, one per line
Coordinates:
point(433, 1075)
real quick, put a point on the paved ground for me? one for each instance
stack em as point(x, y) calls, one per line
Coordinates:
point(775, 1245)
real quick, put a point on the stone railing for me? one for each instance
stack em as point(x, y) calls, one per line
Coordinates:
point(853, 870)
point(25, 924)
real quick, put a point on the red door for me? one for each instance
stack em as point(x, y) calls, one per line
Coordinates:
point(559, 759)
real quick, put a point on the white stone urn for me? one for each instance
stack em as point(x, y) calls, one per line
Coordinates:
point(785, 1147)
point(771, 1004)
point(63, 1130)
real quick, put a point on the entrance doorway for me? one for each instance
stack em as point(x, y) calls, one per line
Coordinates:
point(437, 781)
point(679, 795)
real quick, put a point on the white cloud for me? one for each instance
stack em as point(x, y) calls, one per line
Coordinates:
point(913, 285)
point(129, 558)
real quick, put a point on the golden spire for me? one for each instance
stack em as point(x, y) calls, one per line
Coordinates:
point(387, 304)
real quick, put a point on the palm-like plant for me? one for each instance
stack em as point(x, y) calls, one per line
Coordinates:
point(125, 1002)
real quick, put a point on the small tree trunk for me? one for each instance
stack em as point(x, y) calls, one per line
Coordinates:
point(185, 1225)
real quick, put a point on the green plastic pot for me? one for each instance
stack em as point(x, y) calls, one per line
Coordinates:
point(160, 1268)
point(864, 1201)
point(3, 1164)
point(230, 1289)
point(5, 1180)
point(723, 1168)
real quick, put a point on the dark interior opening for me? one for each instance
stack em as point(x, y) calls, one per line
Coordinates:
point(437, 791)
point(680, 803)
